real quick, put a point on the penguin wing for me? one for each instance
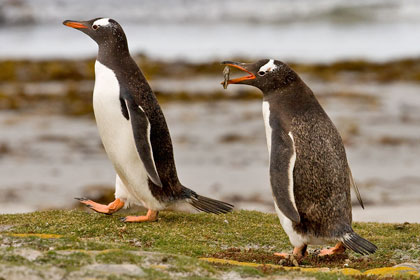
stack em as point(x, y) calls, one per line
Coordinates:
point(141, 131)
point(282, 162)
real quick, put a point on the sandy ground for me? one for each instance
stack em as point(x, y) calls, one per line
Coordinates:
point(220, 150)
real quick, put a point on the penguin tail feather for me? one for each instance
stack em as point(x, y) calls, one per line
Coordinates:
point(209, 205)
point(358, 244)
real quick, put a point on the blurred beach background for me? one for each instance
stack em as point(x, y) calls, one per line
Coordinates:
point(361, 58)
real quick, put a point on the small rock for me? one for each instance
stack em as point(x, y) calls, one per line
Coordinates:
point(405, 258)
point(27, 253)
point(26, 273)
point(118, 269)
point(5, 227)
point(282, 262)
point(416, 266)
point(6, 242)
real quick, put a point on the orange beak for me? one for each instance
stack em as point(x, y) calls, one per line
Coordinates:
point(74, 24)
point(237, 80)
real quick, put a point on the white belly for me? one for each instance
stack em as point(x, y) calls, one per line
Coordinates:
point(117, 137)
point(268, 130)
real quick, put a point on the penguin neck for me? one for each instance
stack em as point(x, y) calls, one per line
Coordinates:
point(294, 98)
point(119, 60)
point(113, 54)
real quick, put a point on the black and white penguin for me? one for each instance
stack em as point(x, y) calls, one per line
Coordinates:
point(309, 173)
point(134, 132)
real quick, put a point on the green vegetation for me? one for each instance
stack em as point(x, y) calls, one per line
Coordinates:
point(77, 243)
point(78, 70)
point(65, 86)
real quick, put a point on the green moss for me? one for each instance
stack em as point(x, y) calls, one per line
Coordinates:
point(249, 271)
point(182, 238)
point(77, 70)
point(156, 274)
point(13, 259)
point(73, 99)
point(8, 70)
point(46, 70)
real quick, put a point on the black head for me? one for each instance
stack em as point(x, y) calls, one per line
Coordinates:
point(266, 74)
point(104, 31)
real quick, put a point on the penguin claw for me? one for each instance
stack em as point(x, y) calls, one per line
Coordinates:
point(81, 198)
point(290, 257)
point(123, 219)
point(294, 260)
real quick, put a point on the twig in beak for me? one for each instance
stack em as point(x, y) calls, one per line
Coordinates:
point(226, 73)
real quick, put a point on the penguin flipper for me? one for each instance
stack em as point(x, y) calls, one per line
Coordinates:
point(141, 131)
point(355, 188)
point(282, 162)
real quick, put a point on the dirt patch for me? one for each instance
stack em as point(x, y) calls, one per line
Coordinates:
point(250, 255)
point(312, 260)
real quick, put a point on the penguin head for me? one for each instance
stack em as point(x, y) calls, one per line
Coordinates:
point(104, 31)
point(267, 74)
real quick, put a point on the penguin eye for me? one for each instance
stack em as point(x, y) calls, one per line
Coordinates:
point(261, 73)
point(95, 27)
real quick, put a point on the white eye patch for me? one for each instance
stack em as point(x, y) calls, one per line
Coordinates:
point(269, 66)
point(101, 22)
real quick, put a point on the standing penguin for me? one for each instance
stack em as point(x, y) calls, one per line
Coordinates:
point(309, 174)
point(134, 132)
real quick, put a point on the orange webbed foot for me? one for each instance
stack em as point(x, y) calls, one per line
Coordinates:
point(282, 255)
point(109, 209)
point(151, 216)
point(336, 250)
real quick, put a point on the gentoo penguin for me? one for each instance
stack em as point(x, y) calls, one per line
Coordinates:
point(134, 132)
point(309, 174)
